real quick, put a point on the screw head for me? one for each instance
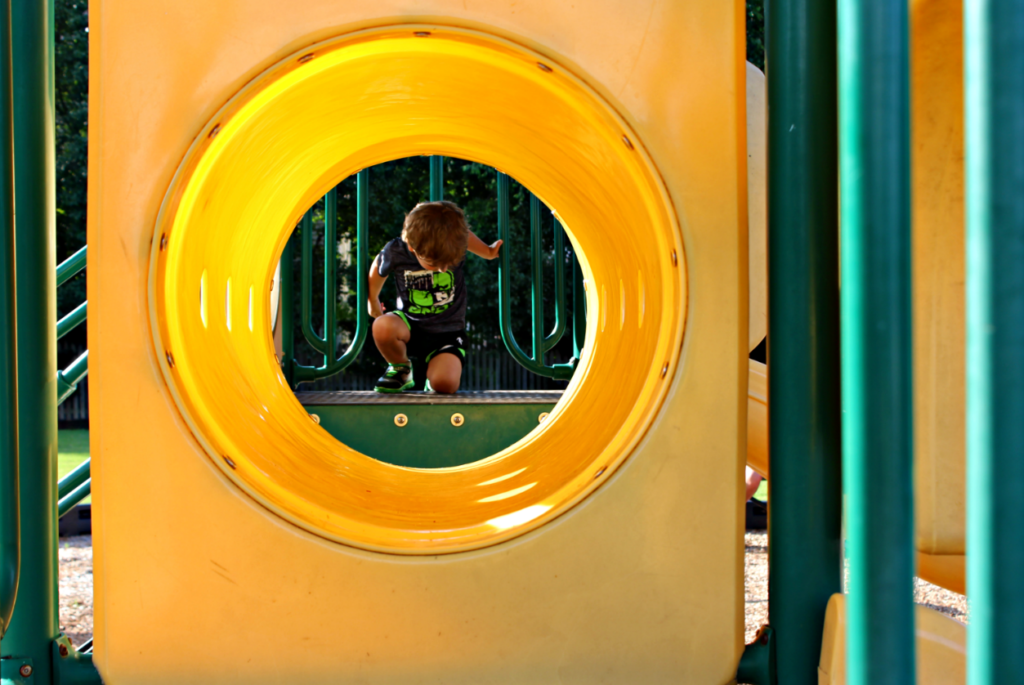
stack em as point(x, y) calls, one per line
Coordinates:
point(542, 417)
point(25, 671)
point(543, 67)
point(401, 420)
point(305, 58)
point(316, 418)
point(627, 142)
point(63, 649)
point(458, 420)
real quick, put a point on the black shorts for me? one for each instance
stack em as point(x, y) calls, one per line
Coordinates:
point(425, 346)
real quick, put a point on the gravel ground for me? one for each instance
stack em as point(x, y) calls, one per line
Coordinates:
point(75, 557)
point(76, 588)
point(756, 578)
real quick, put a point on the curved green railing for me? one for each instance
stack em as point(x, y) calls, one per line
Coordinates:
point(541, 343)
point(328, 343)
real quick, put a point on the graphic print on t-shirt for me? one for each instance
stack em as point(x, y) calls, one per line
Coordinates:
point(430, 292)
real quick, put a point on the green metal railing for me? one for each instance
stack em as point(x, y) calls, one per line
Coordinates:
point(327, 343)
point(541, 343)
point(10, 500)
point(994, 141)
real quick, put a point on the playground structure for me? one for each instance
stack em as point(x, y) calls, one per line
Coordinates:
point(605, 546)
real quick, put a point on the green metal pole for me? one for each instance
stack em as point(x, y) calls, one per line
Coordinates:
point(803, 354)
point(330, 277)
point(287, 322)
point(10, 502)
point(876, 324)
point(537, 282)
point(34, 626)
point(436, 178)
point(994, 71)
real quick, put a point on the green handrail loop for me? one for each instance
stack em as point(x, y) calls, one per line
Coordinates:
point(332, 365)
point(537, 282)
point(315, 341)
point(555, 371)
point(70, 267)
point(558, 331)
point(72, 320)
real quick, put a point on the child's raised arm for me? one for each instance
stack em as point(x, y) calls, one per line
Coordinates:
point(376, 282)
point(482, 249)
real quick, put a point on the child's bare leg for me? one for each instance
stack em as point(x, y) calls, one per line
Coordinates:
point(391, 335)
point(445, 373)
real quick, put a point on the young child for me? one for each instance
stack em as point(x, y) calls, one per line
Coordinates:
point(430, 320)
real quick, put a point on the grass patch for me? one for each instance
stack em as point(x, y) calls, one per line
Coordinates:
point(72, 450)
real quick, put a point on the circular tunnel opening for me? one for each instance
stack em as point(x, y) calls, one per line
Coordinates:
point(368, 98)
point(499, 400)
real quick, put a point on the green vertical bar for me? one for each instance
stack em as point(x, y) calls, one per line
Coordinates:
point(436, 178)
point(558, 330)
point(34, 625)
point(10, 503)
point(288, 310)
point(803, 355)
point(876, 324)
point(331, 277)
point(537, 282)
point(579, 308)
point(994, 70)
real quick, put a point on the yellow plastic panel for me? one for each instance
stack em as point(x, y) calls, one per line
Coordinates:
point(941, 646)
point(616, 589)
point(757, 417)
point(322, 114)
point(938, 242)
point(757, 199)
point(947, 570)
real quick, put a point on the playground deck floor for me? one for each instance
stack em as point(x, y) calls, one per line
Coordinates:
point(76, 588)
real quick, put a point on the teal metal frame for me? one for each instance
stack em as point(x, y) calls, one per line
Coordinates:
point(34, 626)
point(994, 137)
point(10, 500)
point(874, 144)
point(805, 516)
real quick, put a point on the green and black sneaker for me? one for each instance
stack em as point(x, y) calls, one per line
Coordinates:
point(398, 378)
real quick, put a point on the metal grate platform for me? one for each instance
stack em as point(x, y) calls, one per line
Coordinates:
point(475, 397)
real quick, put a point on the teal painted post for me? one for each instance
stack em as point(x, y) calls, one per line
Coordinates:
point(306, 285)
point(537, 282)
point(558, 330)
point(579, 309)
point(994, 70)
point(330, 277)
point(287, 321)
point(876, 323)
point(803, 354)
point(35, 626)
point(10, 503)
point(436, 178)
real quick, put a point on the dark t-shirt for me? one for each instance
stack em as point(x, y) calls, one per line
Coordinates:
point(434, 300)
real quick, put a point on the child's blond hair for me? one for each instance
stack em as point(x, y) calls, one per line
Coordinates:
point(437, 233)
